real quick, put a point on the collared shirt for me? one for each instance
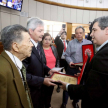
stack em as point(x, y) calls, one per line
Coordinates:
point(74, 51)
point(65, 43)
point(34, 43)
point(102, 45)
point(63, 57)
point(16, 61)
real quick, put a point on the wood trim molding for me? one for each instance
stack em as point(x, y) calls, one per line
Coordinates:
point(72, 6)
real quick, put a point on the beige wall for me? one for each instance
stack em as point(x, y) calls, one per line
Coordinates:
point(47, 12)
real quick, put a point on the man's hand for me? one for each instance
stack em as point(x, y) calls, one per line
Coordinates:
point(71, 64)
point(78, 74)
point(63, 86)
point(61, 31)
point(48, 82)
point(51, 72)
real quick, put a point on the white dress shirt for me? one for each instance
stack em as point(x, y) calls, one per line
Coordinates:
point(63, 57)
point(34, 43)
point(16, 61)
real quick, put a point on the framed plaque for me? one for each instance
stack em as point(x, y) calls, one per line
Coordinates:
point(65, 78)
point(68, 78)
point(78, 64)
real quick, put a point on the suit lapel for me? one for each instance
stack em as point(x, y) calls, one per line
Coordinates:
point(17, 81)
point(106, 45)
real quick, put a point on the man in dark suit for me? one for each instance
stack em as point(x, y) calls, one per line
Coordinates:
point(94, 93)
point(36, 69)
point(17, 46)
point(61, 45)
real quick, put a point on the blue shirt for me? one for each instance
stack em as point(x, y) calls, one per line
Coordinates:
point(74, 51)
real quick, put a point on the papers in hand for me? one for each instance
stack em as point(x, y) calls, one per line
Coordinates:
point(57, 68)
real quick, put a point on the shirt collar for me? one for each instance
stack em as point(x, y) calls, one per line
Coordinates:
point(78, 41)
point(102, 45)
point(63, 40)
point(34, 43)
point(15, 60)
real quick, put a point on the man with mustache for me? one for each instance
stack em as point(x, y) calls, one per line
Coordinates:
point(94, 93)
point(14, 92)
point(36, 69)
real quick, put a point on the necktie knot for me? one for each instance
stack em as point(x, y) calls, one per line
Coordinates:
point(23, 70)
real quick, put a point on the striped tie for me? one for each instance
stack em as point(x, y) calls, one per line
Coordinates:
point(23, 70)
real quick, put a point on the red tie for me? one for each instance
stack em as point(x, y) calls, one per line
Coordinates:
point(64, 46)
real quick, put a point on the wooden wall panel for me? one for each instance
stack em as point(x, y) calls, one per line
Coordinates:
point(32, 8)
point(60, 13)
point(40, 10)
point(69, 30)
point(47, 9)
point(53, 13)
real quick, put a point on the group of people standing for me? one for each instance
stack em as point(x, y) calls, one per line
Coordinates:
point(28, 58)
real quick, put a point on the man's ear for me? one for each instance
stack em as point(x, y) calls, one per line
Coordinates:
point(106, 30)
point(30, 31)
point(15, 47)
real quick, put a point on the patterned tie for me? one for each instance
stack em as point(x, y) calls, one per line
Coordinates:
point(38, 49)
point(23, 71)
point(64, 46)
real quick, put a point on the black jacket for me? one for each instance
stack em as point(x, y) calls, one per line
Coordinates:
point(36, 70)
point(59, 45)
point(94, 93)
point(55, 54)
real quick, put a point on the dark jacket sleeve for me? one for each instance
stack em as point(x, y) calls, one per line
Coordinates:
point(46, 69)
point(59, 46)
point(54, 50)
point(32, 80)
point(96, 85)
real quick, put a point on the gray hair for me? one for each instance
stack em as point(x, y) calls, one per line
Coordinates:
point(10, 34)
point(33, 23)
point(80, 27)
point(102, 22)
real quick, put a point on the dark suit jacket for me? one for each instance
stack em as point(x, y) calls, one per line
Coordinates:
point(94, 93)
point(12, 91)
point(36, 70)
point(59, 46)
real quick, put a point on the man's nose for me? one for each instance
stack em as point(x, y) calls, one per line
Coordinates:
point(42, 33)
